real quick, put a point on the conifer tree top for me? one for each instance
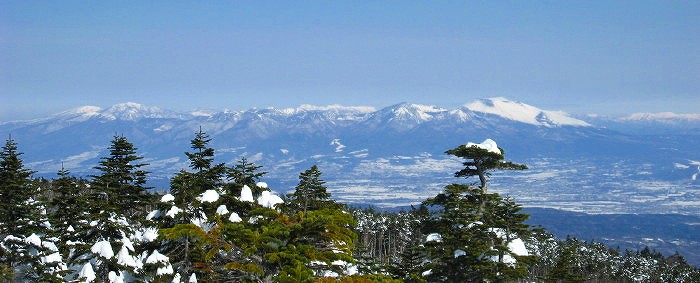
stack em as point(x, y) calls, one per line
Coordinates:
point(482, 158)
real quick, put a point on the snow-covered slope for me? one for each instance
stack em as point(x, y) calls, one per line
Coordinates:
point(402, 145)
point(295, 137)
point(524, 113)
point(131, 111)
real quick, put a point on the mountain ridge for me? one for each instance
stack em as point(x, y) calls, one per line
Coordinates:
point(405, 111)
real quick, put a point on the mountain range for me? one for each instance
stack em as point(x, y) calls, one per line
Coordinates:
point(395, 155)
point(638, 165)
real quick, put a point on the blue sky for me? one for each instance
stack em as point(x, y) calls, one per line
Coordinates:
point(608, 57)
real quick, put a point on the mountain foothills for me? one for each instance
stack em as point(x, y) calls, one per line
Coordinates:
point(219, 222)
point(392, 158)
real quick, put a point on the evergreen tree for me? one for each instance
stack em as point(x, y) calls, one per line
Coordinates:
point(475, 235)
point(18, 215)
point(481, 160)
point(23, 222)
point(116, 211)
point(245, 173)
point(67, 208)
point(205, 175)
point(310, 194)
point(182, 226)
point(122, 180)
point(274, 244)
point(68, 203)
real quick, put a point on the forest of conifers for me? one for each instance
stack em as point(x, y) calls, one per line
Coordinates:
point(221, 223)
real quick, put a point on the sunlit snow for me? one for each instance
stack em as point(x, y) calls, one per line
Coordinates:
point(246, 194)
point(103, 248)
point(487, 144)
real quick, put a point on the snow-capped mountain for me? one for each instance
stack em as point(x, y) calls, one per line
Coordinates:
point(521, 112)
point(650, 123)
point(394, 156)
point(389, 156)
point(668, 117)
point(131, 111)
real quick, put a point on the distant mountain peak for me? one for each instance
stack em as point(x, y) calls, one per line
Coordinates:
point(132, 111)
point(661, 116)
point(521, 112)
point(416, 112)
point(85, 110)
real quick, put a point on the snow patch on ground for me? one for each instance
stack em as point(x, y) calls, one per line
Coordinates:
point(338, 146)
point(681, 166)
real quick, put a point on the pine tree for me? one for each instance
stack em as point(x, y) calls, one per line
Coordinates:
point(475, 235)
point(481, 161)
point(310, 194)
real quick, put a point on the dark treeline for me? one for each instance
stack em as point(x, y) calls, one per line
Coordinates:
point(220, 223)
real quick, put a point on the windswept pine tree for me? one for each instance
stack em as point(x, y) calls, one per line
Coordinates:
point(474, 235)
point(481, 159)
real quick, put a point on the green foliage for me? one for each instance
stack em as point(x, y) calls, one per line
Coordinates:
point(364, 278)
point(300, 242)
point(121, 182)
point(482, 241)
point(286, 245)
point(21, 216)
point(310, 194)
point(205, 175)
point(481, 161)
point(186, 244)
point(245, 173)
point(18, 213)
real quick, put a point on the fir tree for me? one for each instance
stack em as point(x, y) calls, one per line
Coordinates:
point(185, 245)
point(186, 186)
point(18, 216)
point(68, 207)
point(245, 173)
point(122, 180)
point(116, 210)
point(23, 222)
point(310, 193)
